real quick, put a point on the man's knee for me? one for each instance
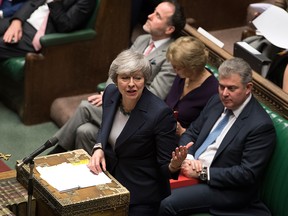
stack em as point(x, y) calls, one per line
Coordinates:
point(87, 130)
point(86, 136)
point(84, 104)
point(166, 208)
point(92, 113)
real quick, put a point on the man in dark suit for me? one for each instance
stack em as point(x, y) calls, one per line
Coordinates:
point(165, 23)
point(230, 168)
point(17, 32)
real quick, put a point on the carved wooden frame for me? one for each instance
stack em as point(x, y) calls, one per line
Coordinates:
point(264, 90)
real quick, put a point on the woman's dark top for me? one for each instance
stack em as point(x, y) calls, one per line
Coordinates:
point(190, 106)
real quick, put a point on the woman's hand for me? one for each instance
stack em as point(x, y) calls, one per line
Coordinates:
point(179, 129)
point(14, 32)
point(178, 156)
point(97, 163)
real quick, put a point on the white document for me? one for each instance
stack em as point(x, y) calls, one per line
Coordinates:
point(67, 176)
point(272, 23)
point(260, 7)
point(249, 48)
point(211, 37)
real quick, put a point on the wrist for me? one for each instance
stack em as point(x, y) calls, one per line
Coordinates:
point(203, 176)
point(96, 147)
point(183, 130)
point(174, 168)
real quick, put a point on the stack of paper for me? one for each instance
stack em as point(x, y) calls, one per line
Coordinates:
point(67, 176)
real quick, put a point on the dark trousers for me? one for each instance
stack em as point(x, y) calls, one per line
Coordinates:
point(19, 49)
point(200, 198)
point(144, 210)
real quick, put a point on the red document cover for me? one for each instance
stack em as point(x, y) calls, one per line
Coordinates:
point(182, 182)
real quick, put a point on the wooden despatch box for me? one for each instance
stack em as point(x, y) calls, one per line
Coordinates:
point(105, 200)
point(13, 196)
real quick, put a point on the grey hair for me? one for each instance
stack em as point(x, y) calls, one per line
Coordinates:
point(236, 66)
point(129, 62)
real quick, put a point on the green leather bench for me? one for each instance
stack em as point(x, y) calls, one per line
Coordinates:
point(29, 84)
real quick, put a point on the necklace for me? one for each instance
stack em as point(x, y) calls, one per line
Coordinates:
point(122, 110)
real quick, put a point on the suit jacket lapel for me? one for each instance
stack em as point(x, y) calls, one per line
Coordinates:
point(110, 109)
point(236, 127)
point(136, 120)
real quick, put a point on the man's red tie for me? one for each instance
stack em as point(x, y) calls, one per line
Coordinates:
point(40, 33)
point(149, 49)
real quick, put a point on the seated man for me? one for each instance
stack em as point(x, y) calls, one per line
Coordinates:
point(163, 25)
point(9, 7)
point(234, 139)
point(17, 34)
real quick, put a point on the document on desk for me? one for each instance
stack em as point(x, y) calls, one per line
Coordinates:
point(67, 176)
point(272, 24)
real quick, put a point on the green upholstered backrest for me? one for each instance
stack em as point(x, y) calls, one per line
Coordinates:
point(213, 69)
point(13, 68)
point(92, 21)
point(274, 191)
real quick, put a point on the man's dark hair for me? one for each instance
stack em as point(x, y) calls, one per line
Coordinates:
point(178, 19)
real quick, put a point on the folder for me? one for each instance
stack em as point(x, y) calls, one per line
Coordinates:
point(257, 61)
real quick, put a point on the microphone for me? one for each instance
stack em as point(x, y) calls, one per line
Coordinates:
point(49, 143)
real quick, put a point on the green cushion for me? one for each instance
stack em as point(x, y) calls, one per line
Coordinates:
point(214, 70)
point(101, 86)
point(13, 68)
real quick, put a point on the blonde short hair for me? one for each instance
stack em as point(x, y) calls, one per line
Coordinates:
point(188, 52)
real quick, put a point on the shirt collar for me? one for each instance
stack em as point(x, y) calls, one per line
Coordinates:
point(158, 43)
point(238, 111)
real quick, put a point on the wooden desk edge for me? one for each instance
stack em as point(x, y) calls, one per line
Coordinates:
point(8, 174)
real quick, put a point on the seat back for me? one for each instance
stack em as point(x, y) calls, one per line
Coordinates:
point(92, 20)
point(274, 189)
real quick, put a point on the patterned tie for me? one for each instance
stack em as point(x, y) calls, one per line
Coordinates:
point(214, 134)
point(149, 49)
point(41, 31)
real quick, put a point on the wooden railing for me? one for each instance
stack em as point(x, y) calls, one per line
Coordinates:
point(264, 90)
